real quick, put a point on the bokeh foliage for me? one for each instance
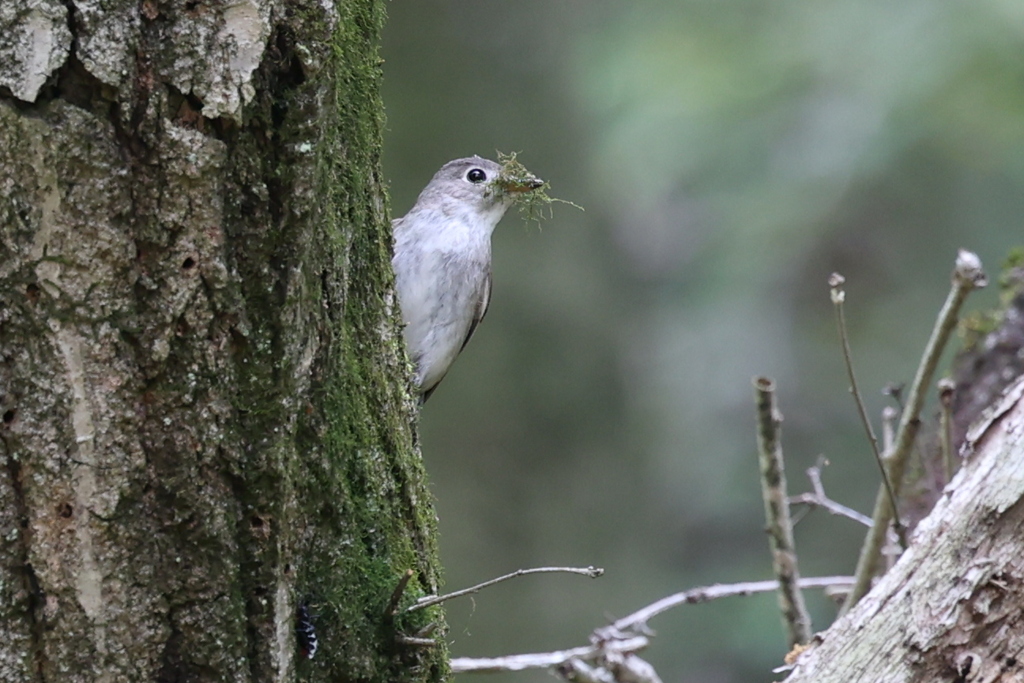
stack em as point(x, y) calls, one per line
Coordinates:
point(729, 155)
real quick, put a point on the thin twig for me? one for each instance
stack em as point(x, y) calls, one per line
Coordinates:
point(889, 415)
point(814, 474)
point(831, 506)
point(891, 549)
point(396, 595)
point(967, 276)
point(543, 660)
point(639, 619)
point(838, 294)
point(776, 511)
point(621, 636)
point(429, 600)
point(413, 641)
point(946, 389)
point(818, 498)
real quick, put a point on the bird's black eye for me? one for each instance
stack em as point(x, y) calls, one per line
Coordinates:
point(476, 175)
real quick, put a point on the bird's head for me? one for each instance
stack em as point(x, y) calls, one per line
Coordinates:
point(480, 186)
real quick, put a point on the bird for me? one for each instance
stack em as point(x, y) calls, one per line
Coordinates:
point(442, 261)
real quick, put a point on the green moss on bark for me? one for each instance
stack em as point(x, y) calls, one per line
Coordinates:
point(359, 512)
point(224, 317)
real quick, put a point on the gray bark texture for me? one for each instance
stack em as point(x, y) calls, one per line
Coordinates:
point(952, 608)
point(206, 422)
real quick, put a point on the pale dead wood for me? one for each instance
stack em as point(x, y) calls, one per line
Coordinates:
point(952, 608)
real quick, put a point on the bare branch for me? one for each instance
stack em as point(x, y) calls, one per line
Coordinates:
point(831, 506)
point(543, 660)
point(638, 620)
point(947, 387)
point(428, 600)
point(413, 641)
point(835, 282)
point(889, 415)
point(967, 275)
point(396, 595)
point(818, 498)
point(776, 511)
point(629, 634)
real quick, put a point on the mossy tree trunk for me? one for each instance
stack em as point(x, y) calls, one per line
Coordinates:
point(205, 420)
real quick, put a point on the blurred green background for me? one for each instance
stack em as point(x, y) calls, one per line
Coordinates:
point(729, 156)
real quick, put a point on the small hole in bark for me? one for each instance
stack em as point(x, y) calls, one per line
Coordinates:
point(9, 416)
point(188, 263)
point(32, 292)
point(65, 510)
point(260, 526)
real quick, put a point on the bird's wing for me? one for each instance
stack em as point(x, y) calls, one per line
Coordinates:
point(483, 300)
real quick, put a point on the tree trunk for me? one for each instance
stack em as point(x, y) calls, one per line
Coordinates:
point(951, 608)
point(205, 419)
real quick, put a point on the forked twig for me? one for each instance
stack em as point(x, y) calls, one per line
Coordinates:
point(630, 633)
point(967, 276)
point(542, 660)
point(818, 498)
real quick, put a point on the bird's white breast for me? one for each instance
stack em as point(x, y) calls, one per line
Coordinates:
point(441, 264)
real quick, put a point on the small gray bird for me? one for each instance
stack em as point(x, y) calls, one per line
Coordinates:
point(442, 260)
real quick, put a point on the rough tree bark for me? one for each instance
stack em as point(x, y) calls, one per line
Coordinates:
point(205, 418)
point(952, 608)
